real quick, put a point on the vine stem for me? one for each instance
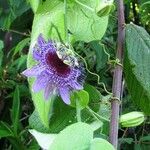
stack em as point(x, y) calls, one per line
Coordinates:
point(117, 77)
point(78, 111)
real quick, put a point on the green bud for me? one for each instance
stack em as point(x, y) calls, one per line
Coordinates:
point(132, 119)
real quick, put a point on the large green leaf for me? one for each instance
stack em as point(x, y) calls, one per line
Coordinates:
point(75, 137)
point(53, 140)
point(49, 13)
point(84, 24)
point(137, 65)
point(36, 123)
point(34, 4)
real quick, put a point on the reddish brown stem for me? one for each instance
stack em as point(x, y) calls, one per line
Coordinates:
point(117, 78)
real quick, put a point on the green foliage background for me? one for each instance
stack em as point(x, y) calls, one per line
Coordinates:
point(93, 38)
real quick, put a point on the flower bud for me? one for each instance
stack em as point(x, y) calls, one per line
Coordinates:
point(132, 119)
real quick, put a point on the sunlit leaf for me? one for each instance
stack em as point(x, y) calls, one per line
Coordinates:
point(84, 24)
point(48, 15)
point(44, 140)
point(34, 4)
point(75, 137)
point(99, 143)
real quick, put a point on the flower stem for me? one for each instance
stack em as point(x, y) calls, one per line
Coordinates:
point(78, 111)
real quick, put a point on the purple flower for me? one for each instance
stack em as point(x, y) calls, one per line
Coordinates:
point(52, 74)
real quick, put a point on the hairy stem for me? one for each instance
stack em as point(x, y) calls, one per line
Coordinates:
point(117, 78)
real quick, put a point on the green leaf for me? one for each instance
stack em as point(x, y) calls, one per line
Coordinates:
point(96, 125)
point(136, 66)
point(144, 13)
point(105, 107)
point(44, 140)
point(33, 145)
point(82, 97)
point(15, 9)
point(137, 147)
point(35, 123)
point(34, 4)
point(16, 109)
point(104, 8)
point(101, 57)
point(94, 97)
point(42, 107)
point(126, 140)
point(62, 116)
point(48, 15)
point(145, 138)
point(5, 130)
point(1, 45)
point(21, 45)
point(21, 61)
point(84, 24)
point(75, 137)
point(99, 143)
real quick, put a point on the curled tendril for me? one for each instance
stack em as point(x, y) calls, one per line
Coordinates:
point(92, 73)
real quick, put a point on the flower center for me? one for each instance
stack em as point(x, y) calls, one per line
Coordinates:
point(57, 64)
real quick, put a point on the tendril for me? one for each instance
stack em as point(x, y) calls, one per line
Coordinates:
point(92, 73)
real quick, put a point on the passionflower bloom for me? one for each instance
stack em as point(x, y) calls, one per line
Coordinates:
point(56, 72)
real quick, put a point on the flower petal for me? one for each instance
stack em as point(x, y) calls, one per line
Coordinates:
point(37, 54)
point(48, 91)
point(64, 93)
point(75, 85)
point(34, 71)
point(40, 83)
point(41, 40)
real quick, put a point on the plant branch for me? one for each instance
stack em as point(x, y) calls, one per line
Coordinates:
point(17, 32)
point(117, 78)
